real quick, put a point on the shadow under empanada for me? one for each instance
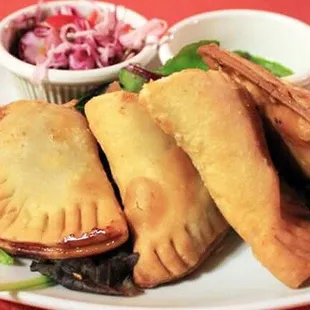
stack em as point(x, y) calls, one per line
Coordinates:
point(225, 251)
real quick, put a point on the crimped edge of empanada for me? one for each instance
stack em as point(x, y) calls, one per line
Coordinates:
point(209, 251)
point(95, 242)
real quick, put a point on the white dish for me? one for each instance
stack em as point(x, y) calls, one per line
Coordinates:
point(230, 280)
point(274, 36)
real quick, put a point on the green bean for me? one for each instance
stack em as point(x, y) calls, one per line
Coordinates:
point(34, 283)
point(274, 67)
point(5, 258)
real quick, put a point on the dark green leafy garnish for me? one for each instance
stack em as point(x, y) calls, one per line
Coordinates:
point(90, 94)
point(274, 67)
point(110, 274)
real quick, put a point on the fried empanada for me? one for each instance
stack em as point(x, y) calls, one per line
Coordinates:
point(174, 221)
point(214, 120)
point(55, 198)
point(286, 106)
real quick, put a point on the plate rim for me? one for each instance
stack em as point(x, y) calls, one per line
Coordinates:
point(41, 300)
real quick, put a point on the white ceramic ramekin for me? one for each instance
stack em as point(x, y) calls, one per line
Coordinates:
point(274, 36)
point(63, 85)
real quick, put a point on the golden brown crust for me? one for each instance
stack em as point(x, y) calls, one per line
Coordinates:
point(88, 244)
point(55, 199)
point(293, 97)
point(174, 221)
point(216, 124)
point(286, 106)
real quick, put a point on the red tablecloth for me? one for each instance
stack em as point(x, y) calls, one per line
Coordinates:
point(172, 11)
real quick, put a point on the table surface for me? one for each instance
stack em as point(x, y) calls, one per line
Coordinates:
point(172, 11)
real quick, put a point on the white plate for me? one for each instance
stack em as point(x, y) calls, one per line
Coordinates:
point(231, 280)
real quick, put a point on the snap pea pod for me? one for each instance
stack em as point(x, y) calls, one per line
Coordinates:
point(133, 80)
point(130, 81)
point(5, 258)
point(34, 283)
point(186, 58)
point(274, 67)
point(133, 77)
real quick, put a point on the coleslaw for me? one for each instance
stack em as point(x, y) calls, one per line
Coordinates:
point(68, 40)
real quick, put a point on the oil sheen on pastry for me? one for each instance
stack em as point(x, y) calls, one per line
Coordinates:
point(175, 222)
point(55, 198)
point(214, 120)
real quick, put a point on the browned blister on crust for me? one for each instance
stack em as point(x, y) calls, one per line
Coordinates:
point(55, 198)
point(214, 120)
point(174, 221)
point(286, 106)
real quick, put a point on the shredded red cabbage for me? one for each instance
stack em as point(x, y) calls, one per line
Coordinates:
point(66, 39)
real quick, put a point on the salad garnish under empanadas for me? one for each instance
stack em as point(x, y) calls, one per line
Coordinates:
point(55, 198)
point(174, 221)
point(214, 120)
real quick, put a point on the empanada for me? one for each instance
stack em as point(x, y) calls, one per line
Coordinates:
point(286, 106)
point(55, 198)
point(174, 221)
point(214, 120)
